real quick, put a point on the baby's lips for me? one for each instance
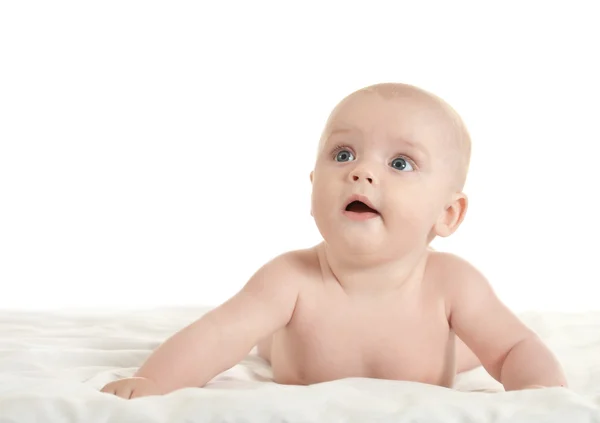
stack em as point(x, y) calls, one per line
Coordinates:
point(363, 199)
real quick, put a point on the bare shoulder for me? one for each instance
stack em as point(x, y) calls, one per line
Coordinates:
point(304, 260)
point(267, 301)
point(456, 277)
point(288, 270)
point(441, 263)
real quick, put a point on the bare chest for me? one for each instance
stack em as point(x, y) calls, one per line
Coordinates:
point(329, 340)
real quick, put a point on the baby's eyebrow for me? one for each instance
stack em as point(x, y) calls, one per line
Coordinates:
point(340, 131)
point(414, 146)
point(403, 143)
point(329, 133)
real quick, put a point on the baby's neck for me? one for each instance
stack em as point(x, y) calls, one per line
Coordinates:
point(373, 277)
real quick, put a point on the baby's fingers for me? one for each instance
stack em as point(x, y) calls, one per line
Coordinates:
point(119, 389)
point(124, 392)
point(132, 388)
point(108, 389)
point(534, 387)
point(142, 392)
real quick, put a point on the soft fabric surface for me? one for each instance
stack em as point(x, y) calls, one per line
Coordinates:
point(52, 365)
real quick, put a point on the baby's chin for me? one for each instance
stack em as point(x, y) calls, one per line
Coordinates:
point(354, 244)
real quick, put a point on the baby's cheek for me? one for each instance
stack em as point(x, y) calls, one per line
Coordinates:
point(413, 217)
point(322, 204)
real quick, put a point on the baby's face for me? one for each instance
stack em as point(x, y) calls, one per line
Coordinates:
point(398, 155)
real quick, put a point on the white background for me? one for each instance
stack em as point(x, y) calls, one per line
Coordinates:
point(159, 153)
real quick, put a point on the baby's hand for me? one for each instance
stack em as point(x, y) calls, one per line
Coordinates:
point(132, 387)
point(533, 387)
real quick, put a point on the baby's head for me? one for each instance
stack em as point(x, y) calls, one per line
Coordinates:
point(404, 152)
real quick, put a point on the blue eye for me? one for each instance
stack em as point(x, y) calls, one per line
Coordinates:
point(402, 165)
point(344, 156)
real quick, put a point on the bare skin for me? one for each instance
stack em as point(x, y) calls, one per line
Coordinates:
point(373, 299)
point(334, 334)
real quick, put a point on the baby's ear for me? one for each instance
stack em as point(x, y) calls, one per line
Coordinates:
point(452, 216)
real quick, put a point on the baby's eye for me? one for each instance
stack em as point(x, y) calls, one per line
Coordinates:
point(344, 156)
point(401, 164)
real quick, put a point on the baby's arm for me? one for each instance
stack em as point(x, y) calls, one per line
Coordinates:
point(225, 335)
point(512, 353)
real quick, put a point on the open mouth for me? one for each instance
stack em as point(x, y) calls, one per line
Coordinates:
point(360, 207)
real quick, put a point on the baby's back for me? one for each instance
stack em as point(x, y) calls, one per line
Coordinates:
point(402, 335)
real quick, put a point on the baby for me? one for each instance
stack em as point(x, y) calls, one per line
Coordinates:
point(373, 299)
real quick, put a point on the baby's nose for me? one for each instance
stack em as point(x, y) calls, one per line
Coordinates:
point(362, 174)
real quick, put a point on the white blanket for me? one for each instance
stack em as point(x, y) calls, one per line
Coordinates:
point(52, 365)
